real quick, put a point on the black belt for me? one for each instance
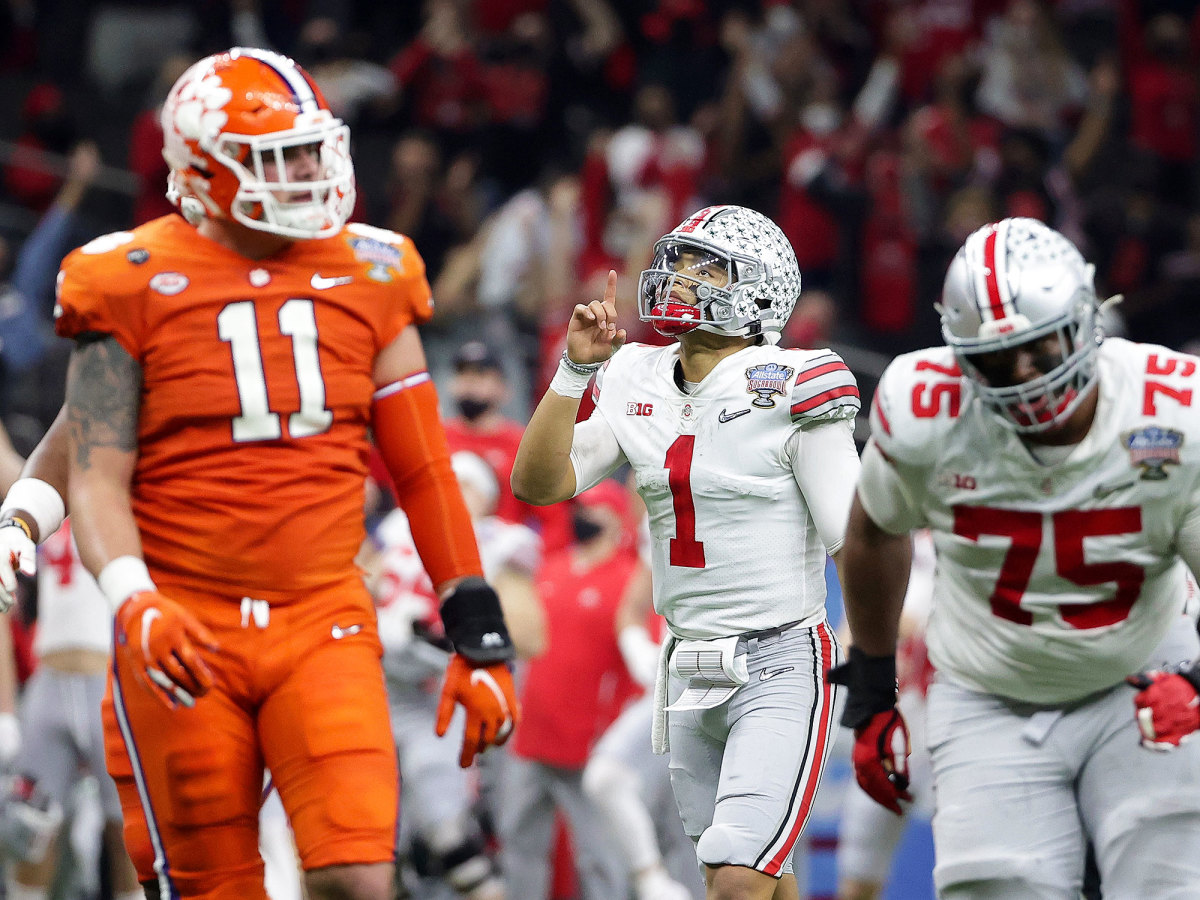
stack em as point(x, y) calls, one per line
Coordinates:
point(770, 632)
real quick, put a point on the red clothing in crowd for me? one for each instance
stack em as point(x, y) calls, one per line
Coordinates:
point(808, 223)
point(574, 691)
point(499, 449)
point(448, 91)
point(1165, 110)
point(147, 163)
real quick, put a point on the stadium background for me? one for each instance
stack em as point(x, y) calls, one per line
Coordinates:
point(529, 145)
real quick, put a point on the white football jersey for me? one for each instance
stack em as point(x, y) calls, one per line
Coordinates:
point(1053, 581)
point(72, 612)
point(734, 545)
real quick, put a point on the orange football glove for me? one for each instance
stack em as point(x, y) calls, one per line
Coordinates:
point(486, 693)
point(158, 639)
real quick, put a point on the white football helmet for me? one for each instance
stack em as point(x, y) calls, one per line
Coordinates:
point(229, 123)
point(1016, 281)
point(761, 285)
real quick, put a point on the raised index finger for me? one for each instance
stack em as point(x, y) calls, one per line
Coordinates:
point(610, 289)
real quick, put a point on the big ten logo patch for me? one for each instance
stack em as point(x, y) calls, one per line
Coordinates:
point(639, 409)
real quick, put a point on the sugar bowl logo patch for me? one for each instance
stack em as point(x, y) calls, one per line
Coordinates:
point(1152, 448)
point(383, 258)
point(765, 380)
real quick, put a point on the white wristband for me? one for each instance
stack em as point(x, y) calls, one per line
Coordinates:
point(40, 500)
point(122, 578)
point(640, 653)
point(568, 382)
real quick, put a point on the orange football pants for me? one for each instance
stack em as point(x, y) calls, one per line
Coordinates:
point(299, 690)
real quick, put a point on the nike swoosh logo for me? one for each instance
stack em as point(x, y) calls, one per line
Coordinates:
point(484, 677)
point(729, 417)
point(320, 282)
point(1103, 490)
point(339, 632)
point(764, 675)
point(151, 616)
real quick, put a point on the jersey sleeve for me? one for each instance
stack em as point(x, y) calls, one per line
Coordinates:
point(905, 436)
point(86, 301)
point(595, 453)
point(824, 391)
point(595, 450)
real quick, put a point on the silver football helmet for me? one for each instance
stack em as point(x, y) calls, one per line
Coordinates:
point(724, 269)
point(1013, 282)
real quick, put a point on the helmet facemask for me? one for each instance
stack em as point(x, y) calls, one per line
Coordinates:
point(1068, 363)
point(234, 117)
point(1018, 283)
point(692, 284)
point(756, 294)
point(322, 205)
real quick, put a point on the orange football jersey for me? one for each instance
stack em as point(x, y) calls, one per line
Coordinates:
point(256, 397)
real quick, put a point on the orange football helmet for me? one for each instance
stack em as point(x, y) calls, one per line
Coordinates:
point(231, 124)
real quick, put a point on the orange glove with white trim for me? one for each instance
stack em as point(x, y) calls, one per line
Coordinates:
point(478, 676)
point(487, 695)
point(158, 638)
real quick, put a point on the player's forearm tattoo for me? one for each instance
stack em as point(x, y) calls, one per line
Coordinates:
point(104, 385)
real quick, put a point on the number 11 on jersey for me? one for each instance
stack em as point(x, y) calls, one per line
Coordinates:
point(238, 327)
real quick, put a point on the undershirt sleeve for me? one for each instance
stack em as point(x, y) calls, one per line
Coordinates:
point(825, 463)
point(884, 495)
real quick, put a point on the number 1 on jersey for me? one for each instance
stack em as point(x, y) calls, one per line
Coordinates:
point(238, 327)
point(686, 551)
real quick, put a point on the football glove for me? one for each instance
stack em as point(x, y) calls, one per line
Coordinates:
point(487, 695)
point(158, 638)
point(1168, 706)
point(881, 743)
point(474, 622)
point(17, 554)
point(29, 819)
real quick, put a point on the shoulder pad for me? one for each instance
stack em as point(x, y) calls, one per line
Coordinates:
point(918, 398)
point(106, 243)
point(382, 248)
point(824, 390)
point(383, 235)
point(117, 260)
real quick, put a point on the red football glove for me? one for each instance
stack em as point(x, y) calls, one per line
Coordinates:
point(486, 693)
point(1168, 706)
point(881, 751)
point(158, 639)
point(881, 744)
